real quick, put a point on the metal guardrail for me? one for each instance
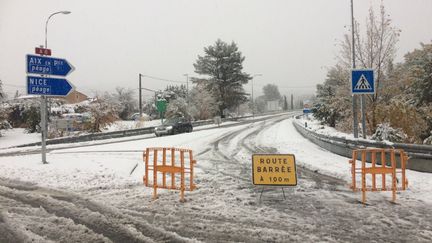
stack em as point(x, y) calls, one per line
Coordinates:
point(126, 133)
point(420, 156)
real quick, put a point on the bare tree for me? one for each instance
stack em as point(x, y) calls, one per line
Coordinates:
point(125, 101)
point(203, 104)
point(376, 50)
point(102, 114)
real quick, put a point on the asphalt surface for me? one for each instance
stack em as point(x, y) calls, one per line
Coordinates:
point(225, 208)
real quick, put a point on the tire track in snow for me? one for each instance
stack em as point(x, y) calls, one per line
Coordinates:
point(337, 209)
point(220, 210)
point(102, 223)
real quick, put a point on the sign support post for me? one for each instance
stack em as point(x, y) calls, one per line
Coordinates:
point(362, 82)
point(282, 192)
point(43, 127)
point(46, 86)
point(363, 104)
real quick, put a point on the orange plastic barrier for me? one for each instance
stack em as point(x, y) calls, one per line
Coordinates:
point(162, 162)
point(382, 162)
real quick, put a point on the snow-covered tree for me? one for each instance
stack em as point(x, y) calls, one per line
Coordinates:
point(385, 132)
point(2, 94)
point(4, 124)
point(333, 98)
point(102, 113)
point(428, 140)
point(202, 104)
point(271, 92)
point(419, 66)
point(172, 92)
point(177, 108)
point(223, 64)
point(406, 100)
point(260, 104)
point(125, 102)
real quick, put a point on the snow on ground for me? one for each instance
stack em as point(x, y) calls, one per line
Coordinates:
point(126, 125)
point(225, 202)
point(286, 139)
point(17, 136)
point(96, 166)
point(315, 126)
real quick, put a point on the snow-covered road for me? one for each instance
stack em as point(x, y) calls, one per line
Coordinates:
point(88, 194)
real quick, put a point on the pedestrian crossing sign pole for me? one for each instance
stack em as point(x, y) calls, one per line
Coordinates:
point(362, 81)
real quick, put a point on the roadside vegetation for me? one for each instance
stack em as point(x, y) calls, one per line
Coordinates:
point(402, 102)
point(218, 90)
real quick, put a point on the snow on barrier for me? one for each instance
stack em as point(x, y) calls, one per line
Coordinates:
point(419, 156)
point(169, 168)
point(386, 159)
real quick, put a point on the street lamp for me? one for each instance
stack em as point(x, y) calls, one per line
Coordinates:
point(253, 102)
point(46, 25)
point(44, 127)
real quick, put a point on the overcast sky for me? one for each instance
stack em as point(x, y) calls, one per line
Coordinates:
point(109, 42)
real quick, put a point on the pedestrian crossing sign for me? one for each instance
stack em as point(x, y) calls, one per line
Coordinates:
point(362, 81)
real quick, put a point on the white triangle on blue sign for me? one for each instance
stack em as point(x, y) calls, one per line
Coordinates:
point(362, 84)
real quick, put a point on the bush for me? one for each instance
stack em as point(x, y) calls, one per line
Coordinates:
point(24, 116)
point(32, 119)
point(385, 132)
point(428, 140)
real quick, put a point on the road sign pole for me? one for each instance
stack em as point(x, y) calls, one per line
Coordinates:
point(43, 127)
point(363, 104)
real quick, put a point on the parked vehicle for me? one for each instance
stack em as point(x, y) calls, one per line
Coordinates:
point(173, 126)
point(77, 117)
point(136, 116)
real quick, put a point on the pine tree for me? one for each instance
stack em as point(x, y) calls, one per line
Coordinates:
point(223, 64)
point(285, 105)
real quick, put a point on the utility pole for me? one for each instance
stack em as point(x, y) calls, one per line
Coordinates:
point(140, 96)
point(354, 97)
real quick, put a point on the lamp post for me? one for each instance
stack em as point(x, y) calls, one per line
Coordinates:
point(46, 25)
point(44, 127)
point(253, 102)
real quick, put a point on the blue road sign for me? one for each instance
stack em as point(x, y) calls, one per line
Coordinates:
point(362, 81)
point(48, 86)
point(48, 65)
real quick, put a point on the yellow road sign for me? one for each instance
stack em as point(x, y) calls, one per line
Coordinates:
point(274, 169)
